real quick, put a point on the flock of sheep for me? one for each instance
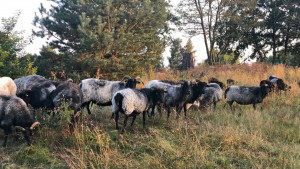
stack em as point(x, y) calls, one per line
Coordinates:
point(39, 92)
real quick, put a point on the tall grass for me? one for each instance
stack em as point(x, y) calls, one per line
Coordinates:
point(268, 137)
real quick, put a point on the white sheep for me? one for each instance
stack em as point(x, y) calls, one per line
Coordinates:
point(132, 102)
point(7, 86)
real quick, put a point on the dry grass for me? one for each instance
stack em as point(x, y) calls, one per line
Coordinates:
point(268, 137)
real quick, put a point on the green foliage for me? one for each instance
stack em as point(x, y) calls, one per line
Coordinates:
point(105, 36)
point(175, 61)
point(12, 63)
point(229, 59)
point(189, 46)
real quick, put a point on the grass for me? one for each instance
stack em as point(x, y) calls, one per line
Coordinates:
point(268, 137)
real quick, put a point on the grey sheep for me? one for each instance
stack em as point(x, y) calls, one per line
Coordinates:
point(14, 112)
point(212, 94)
point(100, 91)
point(246, 95)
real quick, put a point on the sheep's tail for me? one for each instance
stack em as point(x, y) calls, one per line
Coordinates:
point(226, 92)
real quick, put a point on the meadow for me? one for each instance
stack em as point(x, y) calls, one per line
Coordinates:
point(268, 137)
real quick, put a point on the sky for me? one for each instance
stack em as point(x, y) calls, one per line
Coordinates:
point(28, 11)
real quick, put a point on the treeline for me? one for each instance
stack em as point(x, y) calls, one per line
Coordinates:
point(112, 38)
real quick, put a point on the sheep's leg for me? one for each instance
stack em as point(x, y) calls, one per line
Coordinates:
point(133, 119)
point(26, 136)
point(178, 110)
point(230, 104)
point(88, 107)
point(215, 104)
point(116, 119)
point(254, 106)
point(144, 119)
point(125, 123)
point(6, 132)
point(152, 111)
point(184, 109)
point(169, 111)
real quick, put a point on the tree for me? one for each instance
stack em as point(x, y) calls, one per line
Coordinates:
point(189, 46)
point(204, 17)
point(108, 35)
point(13, 62)
point(176, 54)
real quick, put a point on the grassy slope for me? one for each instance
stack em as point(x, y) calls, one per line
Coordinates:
point(266, 138)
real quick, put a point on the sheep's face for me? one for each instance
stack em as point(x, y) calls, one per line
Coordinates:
point(131, 83)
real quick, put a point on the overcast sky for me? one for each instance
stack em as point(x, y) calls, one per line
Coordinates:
point(29, 7)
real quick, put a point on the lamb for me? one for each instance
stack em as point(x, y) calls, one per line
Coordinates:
point(14, 112)
point(101, 91)
point(246, 95)
point(212, 94)
point(7, 86)
point(132, 102)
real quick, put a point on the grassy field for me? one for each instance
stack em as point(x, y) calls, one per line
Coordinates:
point(268, 137)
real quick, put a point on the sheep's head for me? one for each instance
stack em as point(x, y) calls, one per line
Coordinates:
point(130, 82)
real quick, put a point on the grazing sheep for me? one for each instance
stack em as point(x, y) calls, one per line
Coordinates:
point(14, 112)
point(132, 102)
point(280, 83)
point(212, 94)
point(7, 86)
point(101, 91)
point(67, 91)
point(215, 80)
point(230, 82)
point(38, 95)
point(246, 95)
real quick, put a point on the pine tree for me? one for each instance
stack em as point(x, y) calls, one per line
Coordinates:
point(110, 36)
point(176, 50)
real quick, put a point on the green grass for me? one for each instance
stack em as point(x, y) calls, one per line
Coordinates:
point(268, 137)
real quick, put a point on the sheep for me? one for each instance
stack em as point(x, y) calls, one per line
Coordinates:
point(197, 89)
point(101, 91)
point(212, 94)
point(7, 86)
point(246, 95)
point(14, 112)
point(272, 85)
point(38, 95)
point(132, 102)
point(280, 83)
point(230, 82)
point(215, 80)
point(67, 91)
